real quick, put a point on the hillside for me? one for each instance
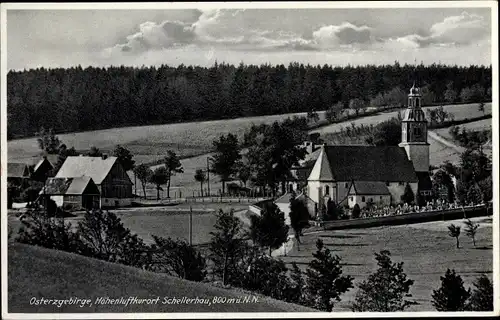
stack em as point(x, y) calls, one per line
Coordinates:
point(39, 272)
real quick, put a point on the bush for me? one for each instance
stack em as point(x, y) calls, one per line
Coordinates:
point(40, 229)
point(386, 289)
point(356, 211)
point(105, 238)
point(177, 258)
point(325, 282)
point(481, 298)
point(452, 295)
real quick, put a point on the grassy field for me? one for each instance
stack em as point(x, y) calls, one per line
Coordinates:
point(460, 111)
point(39, 272)
point(425, 248)
point(475, 126)
point(150, 143)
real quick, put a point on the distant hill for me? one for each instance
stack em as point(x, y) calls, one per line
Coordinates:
point(39, 272)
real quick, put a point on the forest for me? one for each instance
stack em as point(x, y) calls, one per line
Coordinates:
point(80, 99)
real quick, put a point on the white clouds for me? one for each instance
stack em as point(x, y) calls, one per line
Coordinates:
point(343, 34)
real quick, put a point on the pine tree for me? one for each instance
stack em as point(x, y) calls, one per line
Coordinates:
point(269, 229)
point(325, 282)
point(482, 297)
point(452, 295)
point(386, 289)
point(408, 195)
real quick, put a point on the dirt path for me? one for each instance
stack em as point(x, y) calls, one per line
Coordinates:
point(433, 135)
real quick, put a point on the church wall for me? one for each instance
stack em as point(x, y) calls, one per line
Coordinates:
point(379, 200)
point(397, 190)
point(419, 156)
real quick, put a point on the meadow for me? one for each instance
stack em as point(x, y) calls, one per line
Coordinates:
point(150, 143)
point(484, 124)
point(40, 272)
point(425, 248)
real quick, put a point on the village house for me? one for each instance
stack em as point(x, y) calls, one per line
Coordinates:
point(17, 173)
point(112, 180)
point(72, 193)
point(42, 170)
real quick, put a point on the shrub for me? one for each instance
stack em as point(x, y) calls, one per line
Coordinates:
point(356, 211)
point(269, 229)
point(452, 295)
point(177, 258)
point(385, 290)
point(40, 229)
point(481, 298)
point(325, 282)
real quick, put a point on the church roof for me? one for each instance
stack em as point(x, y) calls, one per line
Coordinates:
point(363, 163)
point(369, 188)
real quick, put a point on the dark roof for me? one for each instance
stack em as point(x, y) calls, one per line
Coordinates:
point(424, 181)
point(370, 188)
point(369, 163)
point(17, 170)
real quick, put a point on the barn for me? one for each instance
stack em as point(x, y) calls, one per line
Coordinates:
point(72, 193)
point(107, 173)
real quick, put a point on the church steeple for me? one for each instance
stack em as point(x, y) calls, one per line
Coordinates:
point(414, 131)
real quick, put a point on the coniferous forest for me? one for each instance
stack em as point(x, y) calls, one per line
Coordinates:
point(79, 99)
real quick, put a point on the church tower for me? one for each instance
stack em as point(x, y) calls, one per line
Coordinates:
point(414, 132)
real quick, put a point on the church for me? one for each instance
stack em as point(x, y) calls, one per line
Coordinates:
point(352, 175)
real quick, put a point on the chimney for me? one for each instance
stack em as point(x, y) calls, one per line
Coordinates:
point(104, 156)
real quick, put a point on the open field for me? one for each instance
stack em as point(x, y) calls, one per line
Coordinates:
point(460, 111)
point(150, 143)
point(39, 272)
point(425, 248)
point(475, 126)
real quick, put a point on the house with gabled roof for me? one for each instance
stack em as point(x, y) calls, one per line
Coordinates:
point(42, 169)
point(107, 173)
point(17, 173)
point(363, 193)
point(72, 193)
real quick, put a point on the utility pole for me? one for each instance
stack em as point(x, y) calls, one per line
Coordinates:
point(190, 225)
point(208, 175)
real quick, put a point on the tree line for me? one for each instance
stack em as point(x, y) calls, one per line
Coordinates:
point(79, 99)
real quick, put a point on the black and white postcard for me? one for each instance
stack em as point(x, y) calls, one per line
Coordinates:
point(249, 159)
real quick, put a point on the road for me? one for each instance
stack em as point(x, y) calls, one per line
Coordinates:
point(438, 138)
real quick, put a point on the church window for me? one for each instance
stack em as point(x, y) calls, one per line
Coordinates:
point(346, 185)
point(327, 190)
point(417, 131)
point(363, 199)
point(350, 198)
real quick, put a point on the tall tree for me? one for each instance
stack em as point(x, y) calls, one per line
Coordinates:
point(471, 230)
point(143, 173)
point(324, 280)
point(48, 141)
point(227, 245)
point(386, 289)
point(227, 153)
point(159, 178)
point(299, 217)
point(200, 176)
point(125, 157)
point(269, 229)
point(452, 295)
point(173, 166)
point(454, 232)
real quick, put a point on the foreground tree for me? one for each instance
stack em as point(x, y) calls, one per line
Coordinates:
point(173, 166)
point(227, 246)
point(452, 295)
point(143, 173)
point(200, 176)
point(454, 232)
point(177, 258)
point(159, 178)
point(325, 282)
point(299, 218)
point(227, 154)
point(481, 298)
point(471, 230)
point(269, 229)
point(386, 289)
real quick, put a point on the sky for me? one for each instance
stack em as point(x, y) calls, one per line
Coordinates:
point(103, 37)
